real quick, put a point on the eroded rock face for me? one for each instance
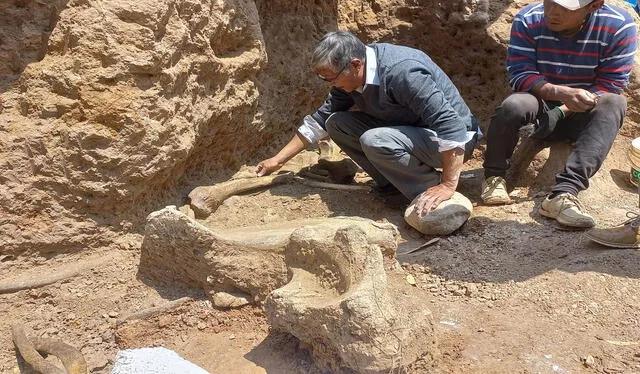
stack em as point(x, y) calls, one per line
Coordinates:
point(25, 28)
point(127, 91)
point(112, 104)
point(126, 97)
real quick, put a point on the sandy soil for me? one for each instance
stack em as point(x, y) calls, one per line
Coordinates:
point(509, 292)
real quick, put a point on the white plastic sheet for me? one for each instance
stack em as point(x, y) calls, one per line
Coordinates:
point(156, 360)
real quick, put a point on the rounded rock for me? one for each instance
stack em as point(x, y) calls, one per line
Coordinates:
point(445, 219)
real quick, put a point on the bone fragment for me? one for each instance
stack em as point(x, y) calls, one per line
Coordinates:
point(154, 310)
point(227, 300)
point(332, 186)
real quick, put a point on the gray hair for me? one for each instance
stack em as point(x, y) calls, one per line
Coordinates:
point(336, 50)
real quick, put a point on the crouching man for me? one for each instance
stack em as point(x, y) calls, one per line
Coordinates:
point(394, 112)
point(568, 61)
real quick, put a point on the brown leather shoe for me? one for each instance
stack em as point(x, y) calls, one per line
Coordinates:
point(626, 235)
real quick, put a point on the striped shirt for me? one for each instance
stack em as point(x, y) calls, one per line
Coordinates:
point(599, 58)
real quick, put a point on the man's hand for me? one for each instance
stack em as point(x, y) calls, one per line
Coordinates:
point(295, 145)
point(451, 165)
point(432, 197)
point(578, 100)
point(268, 166)
point(575, 99)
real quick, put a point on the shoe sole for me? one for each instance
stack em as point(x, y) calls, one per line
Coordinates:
point(497, 201)
point(613, 245)
point(580, 225)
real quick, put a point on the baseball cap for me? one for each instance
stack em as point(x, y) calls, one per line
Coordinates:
point(573, 4)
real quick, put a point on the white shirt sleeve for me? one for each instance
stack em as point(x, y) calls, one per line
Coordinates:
point(447, 145)
point(311, 130)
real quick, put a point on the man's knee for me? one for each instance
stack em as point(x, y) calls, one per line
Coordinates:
point(514, 108)
point(373, 140)
point(613, 104)
point(337, 122)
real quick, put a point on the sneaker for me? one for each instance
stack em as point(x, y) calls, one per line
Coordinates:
point(494, 191)
point(626, 235)
point(566, 209)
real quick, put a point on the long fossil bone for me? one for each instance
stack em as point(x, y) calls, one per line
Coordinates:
point(206, 199)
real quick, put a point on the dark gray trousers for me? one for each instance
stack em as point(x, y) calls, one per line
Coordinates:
point(592, 132)
point(404, 156)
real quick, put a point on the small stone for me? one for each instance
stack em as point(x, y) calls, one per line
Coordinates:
point(107, 336)
point(189, 320)
point(113, 314)
point(164, 321)
point(588, 361)
point(411, 280)
point(227, 300)
point(232, 336)
point(471, 290)
point(202, 326)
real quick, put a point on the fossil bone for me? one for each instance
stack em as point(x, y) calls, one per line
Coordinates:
point(71, 358)
point(206, 199)
point(322, 280)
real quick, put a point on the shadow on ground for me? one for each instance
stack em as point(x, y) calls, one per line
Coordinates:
point(499, 251)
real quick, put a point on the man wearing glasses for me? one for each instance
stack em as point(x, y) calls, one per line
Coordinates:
point(394, 112)
point(568, 61)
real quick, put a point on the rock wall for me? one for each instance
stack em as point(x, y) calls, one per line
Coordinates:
point(128, 94)
point(26, 26)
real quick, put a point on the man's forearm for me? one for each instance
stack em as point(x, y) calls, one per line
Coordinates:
point(292, 148)
point(452, 161)
point(573, 99)
point(547, 91)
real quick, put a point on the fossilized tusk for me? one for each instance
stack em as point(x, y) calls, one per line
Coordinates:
point(206, 199)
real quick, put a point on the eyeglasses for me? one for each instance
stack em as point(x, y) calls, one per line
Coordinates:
point(332, 80)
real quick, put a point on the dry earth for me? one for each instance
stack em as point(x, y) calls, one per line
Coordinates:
point(84, 160)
